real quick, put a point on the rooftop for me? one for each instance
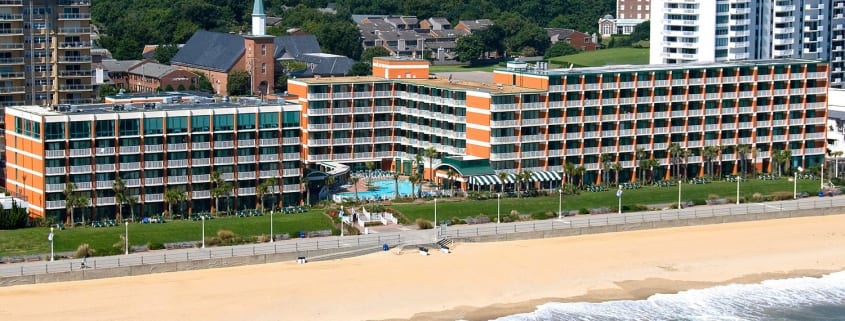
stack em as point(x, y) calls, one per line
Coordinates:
point(137, 107)
point(664, 67)
point(445, 83)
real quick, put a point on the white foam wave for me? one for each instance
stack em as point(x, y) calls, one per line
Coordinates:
point(728, 302)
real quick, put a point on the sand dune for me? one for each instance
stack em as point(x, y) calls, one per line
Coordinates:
point(511, 276)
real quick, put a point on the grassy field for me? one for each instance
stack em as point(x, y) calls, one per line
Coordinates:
point(603, 57)
point(34, 240)
point(644, 196)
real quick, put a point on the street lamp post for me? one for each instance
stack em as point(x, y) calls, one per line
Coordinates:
point(498, 208)
point(271, 226)
point(559, 204)
point(127, 237)
point(435, 219)
point(795, 182)
point(822, 174)
point(341, 220)
point(679, 194)
point(203, 230)
point(619, 196)
point(50, 238)
point(738, 178)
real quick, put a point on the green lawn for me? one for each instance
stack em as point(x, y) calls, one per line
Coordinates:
point(644, 196)
point(34, 240)
point(604, 57)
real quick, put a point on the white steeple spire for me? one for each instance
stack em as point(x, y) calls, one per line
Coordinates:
point(258, 18)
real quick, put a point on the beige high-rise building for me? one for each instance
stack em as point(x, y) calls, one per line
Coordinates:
point(45, 52)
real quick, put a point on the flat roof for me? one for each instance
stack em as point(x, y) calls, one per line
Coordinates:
point(659, 67)
point(391, 58)
point(89, 109)
point(439, 82)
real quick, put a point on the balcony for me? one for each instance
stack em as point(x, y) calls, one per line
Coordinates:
point(153, 148)
point(268, 174)
point(200, 194)
point(55, 187)
point(289, 172)
point(289, 188)
point(177, 179)
point(200, 162)
point(80, 169)
point(535, 105)
point(12, 90)
point(533, 138)
point(291, 141)
point(11, 61)
point(504, 123)
point(342, 156)
point(153, 181)
point(83, 185)
point(153, 197)
point(224, 144)
point(268, 142)
point(246, 175)
point(55, 153)
point(533, 154)
point(503, 107)
point(503, 156)
point(132, 182)
point(177, 147)
point(246, 190)
point(533, 122)
point(74, 30)
point(55, 204)
point(105, 184)
point(246, 159)
point(177, 163)
point(105, 167)
point(74, 59)
point(504, 139)
point(268, 157)
point(11, 31)
point(246, 143)
point(129, 149)
point(153, 164)
point(74, 16)
point(56, 170)
point(337, 126)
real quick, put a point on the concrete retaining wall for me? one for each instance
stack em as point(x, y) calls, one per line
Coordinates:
point(651, 225)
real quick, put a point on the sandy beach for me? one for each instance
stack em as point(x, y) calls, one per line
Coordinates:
point(475, 282)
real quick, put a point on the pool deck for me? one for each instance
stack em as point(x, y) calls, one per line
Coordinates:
point(362, 185)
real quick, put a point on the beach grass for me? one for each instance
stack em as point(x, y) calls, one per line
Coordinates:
point(34, 240)
point(647, 195)
point(604, 57)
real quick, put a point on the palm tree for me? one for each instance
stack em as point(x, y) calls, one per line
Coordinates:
point(651, 164)
point(132, 201)
point(710, 153)
point(120, 196)
point(674, 154)
point(173, 196)
point(431, 153)
point(742, 151)
point(396, 183)
point(330, 180)
point(370, 166)
point(605, 160)
point(640, 154)
point(781, 158)
point(217, 190)
point(70, 201)
point(569, 171)
point(685, 154)
point(355, 181)
point(450, 174)
point(580, 170)
point(263, 188)
point(503, 176)
point(418, 160)
point(526, 177)
point(414, 179)
point(616, 167)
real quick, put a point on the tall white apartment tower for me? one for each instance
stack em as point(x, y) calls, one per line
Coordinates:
point(725, 30)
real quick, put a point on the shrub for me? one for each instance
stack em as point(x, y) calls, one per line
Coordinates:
point(225, 235)
point(155, 246)
point(713, 196)
point(424, 224)
point(514, 212)
point(263, 238)
point(83, 251)
point(699, 202)
point(373, 223)
point(401, 218)
point(457, 220)
point(506, 219)
point(782, 196)
point(583, 211)
point(637, 208)
point(757, 197)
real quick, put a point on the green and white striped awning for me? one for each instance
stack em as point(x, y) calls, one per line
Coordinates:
point(485, 180)
point(541, 176)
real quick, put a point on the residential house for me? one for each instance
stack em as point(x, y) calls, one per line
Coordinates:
point(576, 39)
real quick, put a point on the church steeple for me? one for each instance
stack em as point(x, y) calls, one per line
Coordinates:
point(258, 18)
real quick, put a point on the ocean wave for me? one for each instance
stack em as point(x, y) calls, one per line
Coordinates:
point(787, 299)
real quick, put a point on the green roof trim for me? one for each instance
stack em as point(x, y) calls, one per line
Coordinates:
point(468, 167)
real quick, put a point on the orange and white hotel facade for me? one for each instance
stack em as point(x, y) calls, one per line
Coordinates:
point(538, 120)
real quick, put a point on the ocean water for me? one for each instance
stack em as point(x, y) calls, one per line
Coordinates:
point(799, 299)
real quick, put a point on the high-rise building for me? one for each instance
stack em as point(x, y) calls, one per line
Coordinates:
point(633, 9)
point(45, 52)
point(728, 30)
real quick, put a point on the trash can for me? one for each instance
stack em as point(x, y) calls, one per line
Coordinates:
point(302, 234)
point(821, 193)
point(385, 247)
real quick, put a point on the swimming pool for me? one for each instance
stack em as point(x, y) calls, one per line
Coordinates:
point(383, 189)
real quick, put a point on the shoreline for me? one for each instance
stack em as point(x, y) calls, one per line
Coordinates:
point(477, 281)
point(629, 290)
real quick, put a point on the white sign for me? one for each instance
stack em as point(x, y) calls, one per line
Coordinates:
point(619, 193)
point(50, 237)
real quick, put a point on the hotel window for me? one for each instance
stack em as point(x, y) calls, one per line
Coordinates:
point(128, 127)
point(223, 122)
point(268, 120)
point(152, 126)
point(105, 128)
point(246, 121)
point(263, 68)
point(263, 50)
point(200, 123)
point(80, 129)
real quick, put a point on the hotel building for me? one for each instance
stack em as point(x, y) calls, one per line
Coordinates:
point(529, 119)
point(45, 52)
point(522, 119)
point(728, 30)
point(152, 150)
